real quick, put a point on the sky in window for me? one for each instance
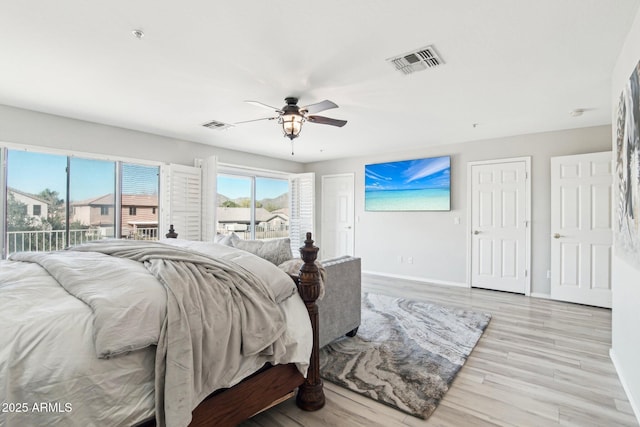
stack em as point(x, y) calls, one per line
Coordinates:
point(34, 172)
point(235, 187)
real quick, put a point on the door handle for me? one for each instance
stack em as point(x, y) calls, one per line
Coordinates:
point(557, 236)
point(476, 232)
point(348, 227)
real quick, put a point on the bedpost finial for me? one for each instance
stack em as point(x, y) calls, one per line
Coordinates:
point(172, 233)
point(308, 252)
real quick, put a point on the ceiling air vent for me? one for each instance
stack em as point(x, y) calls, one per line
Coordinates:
point(213, 124)
point(418, 60)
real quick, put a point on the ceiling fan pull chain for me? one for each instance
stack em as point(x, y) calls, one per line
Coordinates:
point(292, 147)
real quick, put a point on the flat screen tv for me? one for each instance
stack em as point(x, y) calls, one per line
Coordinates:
point(409, 185)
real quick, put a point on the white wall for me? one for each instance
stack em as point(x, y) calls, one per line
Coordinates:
point(437, 245)
point(45, 130)
point(625, 350)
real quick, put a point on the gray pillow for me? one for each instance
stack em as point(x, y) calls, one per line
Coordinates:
point(275, 251)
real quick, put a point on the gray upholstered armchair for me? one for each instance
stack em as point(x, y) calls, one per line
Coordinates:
point(340, 308)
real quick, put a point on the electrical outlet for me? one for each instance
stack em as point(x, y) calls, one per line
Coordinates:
point(400, 259)
point(410, 260)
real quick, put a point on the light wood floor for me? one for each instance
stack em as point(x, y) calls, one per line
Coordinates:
point(539, 363)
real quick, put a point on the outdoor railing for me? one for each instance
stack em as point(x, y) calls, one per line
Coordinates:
point(54, 240)
point(142, 233)
point(260, 233)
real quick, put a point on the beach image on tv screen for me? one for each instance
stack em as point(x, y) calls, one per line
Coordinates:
point(409, 185)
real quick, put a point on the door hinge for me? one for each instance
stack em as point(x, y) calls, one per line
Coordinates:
point(526, 273)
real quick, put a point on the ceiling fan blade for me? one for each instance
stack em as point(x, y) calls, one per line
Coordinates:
point(326, 121)
point(256, 120)
point(260, 104)
point(319, 106)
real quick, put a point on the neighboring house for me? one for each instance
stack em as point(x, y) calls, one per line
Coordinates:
point(94, 212)
point(139, 215)
point(36, 207)
point(138, 211)
point(238, 219)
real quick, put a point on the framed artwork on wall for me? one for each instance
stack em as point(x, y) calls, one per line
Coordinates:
point(627, 225)
point(409, 185)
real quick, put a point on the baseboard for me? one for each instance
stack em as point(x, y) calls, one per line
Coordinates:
point(417, 279)
point(539, 295)
point(634, 405)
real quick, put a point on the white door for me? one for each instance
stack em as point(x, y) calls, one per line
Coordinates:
point(500, 236)
point(581, 233)
point(337, 216)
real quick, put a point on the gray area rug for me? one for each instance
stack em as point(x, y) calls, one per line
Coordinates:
point(406, 353)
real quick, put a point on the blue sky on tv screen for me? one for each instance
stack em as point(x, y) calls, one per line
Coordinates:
point(419, 174)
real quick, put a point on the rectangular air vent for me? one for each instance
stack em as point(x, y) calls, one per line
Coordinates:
point(417, 60)
point(214, 124)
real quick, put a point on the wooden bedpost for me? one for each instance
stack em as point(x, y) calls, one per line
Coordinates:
point(310, 394)
point(172, 233)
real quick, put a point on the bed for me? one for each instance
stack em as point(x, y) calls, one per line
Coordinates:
point(168, 333)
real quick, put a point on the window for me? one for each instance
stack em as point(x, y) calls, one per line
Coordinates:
point(74, 199)
point(140, 188)
point(272, 208)
point(92, 190)
point(28, 232)
point(253, 207)
point(235, 205)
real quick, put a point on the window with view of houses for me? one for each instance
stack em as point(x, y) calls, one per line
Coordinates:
point(253, 207)
point(37, 204)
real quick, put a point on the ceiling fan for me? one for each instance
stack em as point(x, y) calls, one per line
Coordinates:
point(291, 117)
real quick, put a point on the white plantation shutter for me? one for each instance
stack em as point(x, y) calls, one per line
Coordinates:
point(209, 202)
point(301, 208)
point(182, 195)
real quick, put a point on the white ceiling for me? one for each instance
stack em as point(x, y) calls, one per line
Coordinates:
point(513, 67)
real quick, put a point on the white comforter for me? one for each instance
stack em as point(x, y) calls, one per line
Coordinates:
point(61, 363)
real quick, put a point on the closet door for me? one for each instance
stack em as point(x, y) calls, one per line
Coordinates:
point(581, 228)
point(500, 234)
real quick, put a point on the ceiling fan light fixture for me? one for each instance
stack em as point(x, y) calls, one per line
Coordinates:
point(291, 117)
point(291, 125)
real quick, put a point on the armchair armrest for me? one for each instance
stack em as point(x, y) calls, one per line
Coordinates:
point(340, 308)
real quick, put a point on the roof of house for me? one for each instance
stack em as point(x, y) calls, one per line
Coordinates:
point(243, 215)
point(127, 200)
point(32, 196)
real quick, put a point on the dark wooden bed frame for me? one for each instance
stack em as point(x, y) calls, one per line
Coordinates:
point(272, 384)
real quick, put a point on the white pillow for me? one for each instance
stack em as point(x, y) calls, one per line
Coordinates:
point(225, 239)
